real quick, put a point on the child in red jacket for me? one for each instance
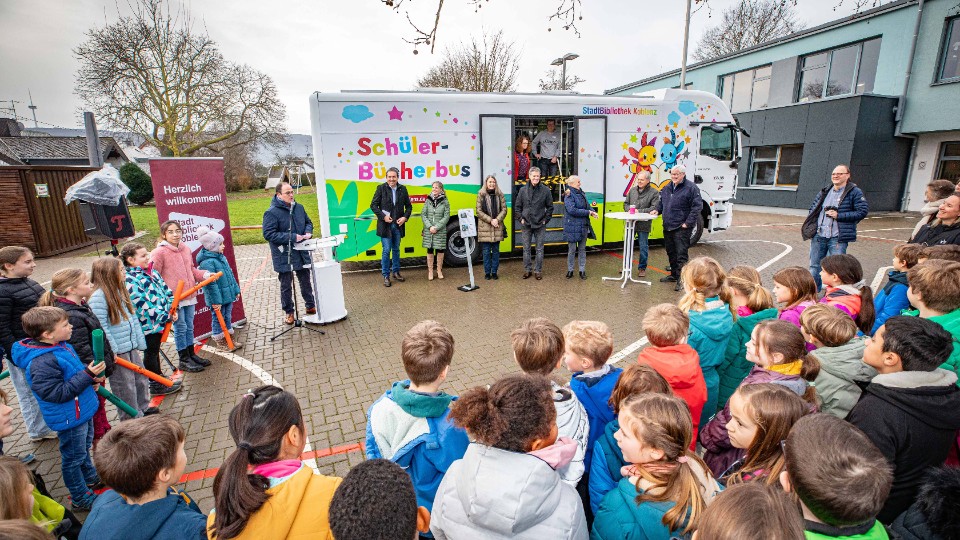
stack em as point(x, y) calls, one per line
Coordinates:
point(667, 327)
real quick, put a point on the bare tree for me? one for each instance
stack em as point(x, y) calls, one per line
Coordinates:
point(153, 74)
point(566, 14)
point(490, 65)
point(554, 81)
point(746, 24)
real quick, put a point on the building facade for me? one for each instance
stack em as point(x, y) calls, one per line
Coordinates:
point(859, 91)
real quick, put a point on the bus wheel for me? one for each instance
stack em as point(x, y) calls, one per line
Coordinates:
point(697, 231)
point(457, 246)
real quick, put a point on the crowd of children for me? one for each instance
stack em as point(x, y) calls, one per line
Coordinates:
point(830, 416)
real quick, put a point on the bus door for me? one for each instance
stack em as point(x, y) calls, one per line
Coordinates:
point(590, 165)
point(496, 156)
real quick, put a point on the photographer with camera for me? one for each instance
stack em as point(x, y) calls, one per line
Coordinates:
point(832, 221)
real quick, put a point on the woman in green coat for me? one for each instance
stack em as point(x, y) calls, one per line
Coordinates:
point(435, 215)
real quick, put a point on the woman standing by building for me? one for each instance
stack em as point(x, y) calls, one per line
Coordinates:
point(576, 225)
point(491, 211)
point(435, 215)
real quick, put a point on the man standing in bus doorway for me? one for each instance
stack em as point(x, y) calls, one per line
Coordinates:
point(391, 205)
point(284, 224)
point(547, 144)
point(832, 221)
point(680, 204)
point(535, 207)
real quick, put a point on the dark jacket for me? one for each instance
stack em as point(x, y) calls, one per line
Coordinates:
point(173, 517)
point(646, 201)
point(223, 290)
point(912, 417)
point(851, 210)
point(576, 219)
point(534, 205)
point(594, 395)
point(679, 204)
point(938, 234)
point(277, 230)
point(60, 382)
point(84, 322)
point(17, 296)
point(934, 516)
point(383, 200)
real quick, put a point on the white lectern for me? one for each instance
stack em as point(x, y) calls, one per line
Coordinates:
point(327, 280)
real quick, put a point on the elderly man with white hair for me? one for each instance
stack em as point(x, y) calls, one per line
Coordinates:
point(680, 204)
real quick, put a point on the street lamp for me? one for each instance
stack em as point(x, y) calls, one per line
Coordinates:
point(562, 61)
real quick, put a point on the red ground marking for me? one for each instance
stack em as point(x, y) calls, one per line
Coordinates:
point(654, 268)
point(320, 453)
point(249, 282)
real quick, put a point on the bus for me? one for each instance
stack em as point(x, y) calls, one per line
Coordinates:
point(459, 138)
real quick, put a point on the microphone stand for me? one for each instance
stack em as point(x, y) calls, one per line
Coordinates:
point(297, 322)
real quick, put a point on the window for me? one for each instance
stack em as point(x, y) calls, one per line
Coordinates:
point(949, 166)
point(847, 70)
point(775, 166)
point(721, 146)
point(950, 53)
point(746, 90)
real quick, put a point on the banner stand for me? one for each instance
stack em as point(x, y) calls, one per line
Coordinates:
point(468, 231)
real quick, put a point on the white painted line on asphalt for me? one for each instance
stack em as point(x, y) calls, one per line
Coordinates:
point(265, 378)
point(635, 346)
point(766, 225)
point(890, 229)
point(787, 249)
point(881, 273)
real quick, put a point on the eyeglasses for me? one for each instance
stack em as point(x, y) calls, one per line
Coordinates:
point(839, 174)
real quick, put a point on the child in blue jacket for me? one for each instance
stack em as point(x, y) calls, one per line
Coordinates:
point(64, 389)
point(892, 298)
point(222, 293)
point(410, 423)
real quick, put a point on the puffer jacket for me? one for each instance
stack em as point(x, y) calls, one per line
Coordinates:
point(84, 322)
point(720, 454)
point(63, 388)
point(891, 300)
point(576, 218)
point(934, 515)
point(224, 290)
point(572, 423)
point(594, 394)
point(709, 332)
point(151, 298)
point(792, 314)
point(851, 210)
point(841, 368)
point(485, 231)
point(679, 204)
point(435, 213)
point(124, 336)
point(605, 466)
point(646, 201)
point(735, 366)
point(17, 296)
point(493, 494)
point(175, 264)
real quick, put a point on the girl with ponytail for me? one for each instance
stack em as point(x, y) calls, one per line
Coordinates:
point(666, 486)
point(753, 303)
point(263, 490)
point(779, 352)
point(506, 485)
point(707, 302)
point(842, 275)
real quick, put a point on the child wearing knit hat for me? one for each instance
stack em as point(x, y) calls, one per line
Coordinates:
point(222, 293)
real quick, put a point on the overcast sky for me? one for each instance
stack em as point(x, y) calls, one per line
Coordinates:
point(329, 45)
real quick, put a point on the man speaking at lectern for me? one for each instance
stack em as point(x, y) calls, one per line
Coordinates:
point(284, 224)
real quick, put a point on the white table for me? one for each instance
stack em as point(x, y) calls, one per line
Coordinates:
point(629, 225)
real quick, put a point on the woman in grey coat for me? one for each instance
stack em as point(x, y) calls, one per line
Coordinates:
point(491, 211)
point(435, 215)
point(644, 198)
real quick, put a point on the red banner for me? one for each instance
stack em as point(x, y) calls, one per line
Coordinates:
point(192, 191)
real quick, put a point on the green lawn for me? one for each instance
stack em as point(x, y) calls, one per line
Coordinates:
point(246, 208)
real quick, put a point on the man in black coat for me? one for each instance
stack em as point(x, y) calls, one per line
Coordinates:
point(680, 204)
point(285, 223)
point(535, 207)
point(391, 205)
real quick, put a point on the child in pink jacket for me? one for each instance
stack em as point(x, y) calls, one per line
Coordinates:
point(173, 260)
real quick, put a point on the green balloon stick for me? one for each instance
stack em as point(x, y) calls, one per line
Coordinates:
point(5, 374)
point(122, 405)
point(97, 337)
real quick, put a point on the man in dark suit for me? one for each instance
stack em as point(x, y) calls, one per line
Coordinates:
point(391, 205)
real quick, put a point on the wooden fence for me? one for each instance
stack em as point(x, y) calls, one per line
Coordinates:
point(32, 210)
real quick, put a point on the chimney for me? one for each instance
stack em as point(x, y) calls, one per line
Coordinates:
point(9, 127)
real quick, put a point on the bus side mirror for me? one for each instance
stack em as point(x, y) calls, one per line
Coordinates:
point(697, 179)
point(735, 163)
